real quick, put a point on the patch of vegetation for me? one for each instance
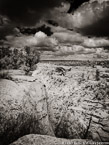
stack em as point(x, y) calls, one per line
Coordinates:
point(14, 58)
point(61, 71)
point(15, 128)
point(5, 75)
point(31, 59)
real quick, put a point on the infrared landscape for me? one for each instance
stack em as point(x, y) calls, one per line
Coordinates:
point(54, 72)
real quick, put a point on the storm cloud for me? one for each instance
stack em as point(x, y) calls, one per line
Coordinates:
point(27, 12)
point(93, 18)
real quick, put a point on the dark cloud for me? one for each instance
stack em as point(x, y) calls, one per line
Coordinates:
point(5, 30)
point(74, 4)
point(27, 11)
point(30, 30)
point(93, 18)
point(99, 27)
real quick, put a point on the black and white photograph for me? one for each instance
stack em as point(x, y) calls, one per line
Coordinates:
point(54, 72)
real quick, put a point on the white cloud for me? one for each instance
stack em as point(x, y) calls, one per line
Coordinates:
point(68, 37)
point(40, 35)
point(95, 42)
point(40, 39)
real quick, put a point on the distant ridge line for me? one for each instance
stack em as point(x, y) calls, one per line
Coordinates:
point(104, 63)
point(78, 60)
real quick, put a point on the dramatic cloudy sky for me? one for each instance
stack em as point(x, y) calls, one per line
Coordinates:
point(82, 33)
point(27, 12)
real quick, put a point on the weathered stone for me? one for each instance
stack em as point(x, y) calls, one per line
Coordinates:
point(33, 139)
point(77, 102)
point(23, 110)
point(71, 106)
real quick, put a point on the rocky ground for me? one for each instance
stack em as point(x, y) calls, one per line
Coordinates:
point(23, 108)
point(78, 100)
point(61, 101)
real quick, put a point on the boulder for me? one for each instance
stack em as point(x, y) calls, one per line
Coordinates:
point(33, 139)
point(23, 109)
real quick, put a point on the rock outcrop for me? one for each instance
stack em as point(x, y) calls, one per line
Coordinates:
point(23, 109)
point(66, 102)
point(78, 102)
point(33, 139)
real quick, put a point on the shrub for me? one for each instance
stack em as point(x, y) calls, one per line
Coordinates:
point(15, 128)
point(4, 75)
point(31, 59)
point(13, 58)
point(97, 75)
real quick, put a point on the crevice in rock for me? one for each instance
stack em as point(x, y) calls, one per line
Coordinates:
point(99, 123)
point(94, 115)
point(57, 128)
point(46, 98)
point(105, 130)
point(88, 127)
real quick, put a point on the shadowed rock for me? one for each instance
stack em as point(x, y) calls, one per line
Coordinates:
point(23, 109)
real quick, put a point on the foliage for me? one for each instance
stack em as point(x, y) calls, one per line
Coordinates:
point(31, 58)
point(15, 128)
point(4, 75)
point(14, 58)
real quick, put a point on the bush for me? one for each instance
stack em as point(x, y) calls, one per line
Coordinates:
point(4, 75)
point(15, 128)
point(31, 59)
point(13, 58)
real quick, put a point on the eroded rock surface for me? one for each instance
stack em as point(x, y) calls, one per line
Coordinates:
point(23, 109)
point(47, 140)
point(66, 102)
point(78, 101)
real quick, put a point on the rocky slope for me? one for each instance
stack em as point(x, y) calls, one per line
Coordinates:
point(62, 101)
point(78, 100)
point(23, 108)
